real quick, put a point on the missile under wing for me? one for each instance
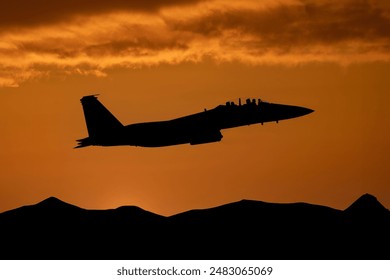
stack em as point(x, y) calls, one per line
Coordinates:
point(104, 129)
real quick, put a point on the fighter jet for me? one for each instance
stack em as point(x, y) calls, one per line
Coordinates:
point(104, 129)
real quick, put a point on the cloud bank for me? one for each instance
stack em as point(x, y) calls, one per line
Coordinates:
point(85, 38)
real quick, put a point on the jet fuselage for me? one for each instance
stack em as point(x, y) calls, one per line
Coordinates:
point(199, 128)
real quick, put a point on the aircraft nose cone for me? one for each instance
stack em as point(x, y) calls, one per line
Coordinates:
point(305, 111)
point(288, 111)
point(297, 111)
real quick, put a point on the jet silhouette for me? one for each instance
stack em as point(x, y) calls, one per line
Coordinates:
point(104, 129)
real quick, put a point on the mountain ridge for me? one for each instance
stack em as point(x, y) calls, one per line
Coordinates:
point(365, 202)
point(245, 229)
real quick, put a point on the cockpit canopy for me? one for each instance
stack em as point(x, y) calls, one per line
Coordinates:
point(248, 102)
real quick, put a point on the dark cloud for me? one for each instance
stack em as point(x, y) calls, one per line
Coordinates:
point(286, 25)
point(140, 47)
point(253, 32)
point(39, 12)
point(120, 40)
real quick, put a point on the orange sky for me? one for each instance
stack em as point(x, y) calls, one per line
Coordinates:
point(153, 61)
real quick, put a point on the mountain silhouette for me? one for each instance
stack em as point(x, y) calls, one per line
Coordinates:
point(367, 205)
point(246, 229)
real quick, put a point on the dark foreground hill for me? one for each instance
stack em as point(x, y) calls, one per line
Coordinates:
point(53, 229)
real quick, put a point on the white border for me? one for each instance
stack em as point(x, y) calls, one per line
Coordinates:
point(108, 269)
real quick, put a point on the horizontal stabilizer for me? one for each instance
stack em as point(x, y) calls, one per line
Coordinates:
point(83, 143)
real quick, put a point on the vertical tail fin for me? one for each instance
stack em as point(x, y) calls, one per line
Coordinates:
point(99, 120)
